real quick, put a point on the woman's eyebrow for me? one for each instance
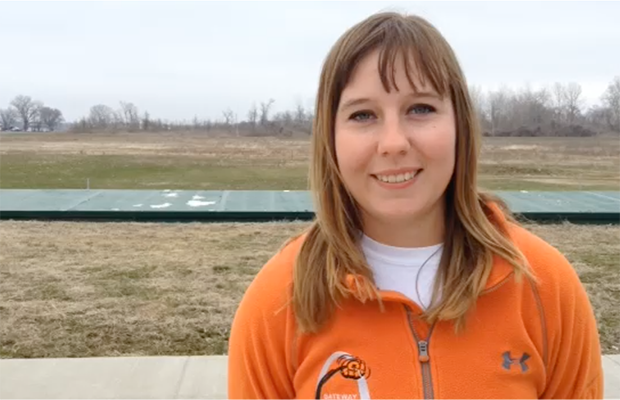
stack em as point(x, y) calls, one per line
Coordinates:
point(426, 94)
point(354, 102)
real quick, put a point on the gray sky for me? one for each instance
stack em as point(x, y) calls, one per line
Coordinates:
point(178, 60)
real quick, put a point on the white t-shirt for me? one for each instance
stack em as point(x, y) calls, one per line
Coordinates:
point(396, 268)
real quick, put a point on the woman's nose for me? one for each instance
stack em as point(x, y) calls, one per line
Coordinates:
point(393, 138)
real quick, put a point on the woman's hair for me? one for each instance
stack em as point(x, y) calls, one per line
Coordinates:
point(330, 254)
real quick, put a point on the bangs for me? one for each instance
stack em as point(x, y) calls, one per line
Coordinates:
point(421, 62)
point(407, 42)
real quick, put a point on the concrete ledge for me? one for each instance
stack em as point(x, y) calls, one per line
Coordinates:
point(114, 378)
point(611, 365)
point(148, 378)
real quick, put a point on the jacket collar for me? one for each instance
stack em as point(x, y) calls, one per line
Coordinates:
point(502, 269)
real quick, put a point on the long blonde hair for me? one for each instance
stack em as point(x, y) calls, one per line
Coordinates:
point(330, 251)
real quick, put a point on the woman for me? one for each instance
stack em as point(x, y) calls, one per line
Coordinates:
point(410, 283)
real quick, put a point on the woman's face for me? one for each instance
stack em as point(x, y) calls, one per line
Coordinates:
point(395, 151)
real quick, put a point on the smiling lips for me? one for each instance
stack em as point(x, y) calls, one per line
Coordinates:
point(397, 179)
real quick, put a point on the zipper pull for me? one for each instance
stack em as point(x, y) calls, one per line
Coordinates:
point(423, 351)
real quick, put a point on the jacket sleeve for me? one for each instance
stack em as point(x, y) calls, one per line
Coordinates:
point(259, 365)
point(574, 370)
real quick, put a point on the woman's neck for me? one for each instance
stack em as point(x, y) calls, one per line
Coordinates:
point(426, 230)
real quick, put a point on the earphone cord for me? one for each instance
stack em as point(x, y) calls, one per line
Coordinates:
point(418, 275)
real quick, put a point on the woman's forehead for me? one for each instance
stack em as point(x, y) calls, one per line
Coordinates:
point(400, 72)
point(369, 77)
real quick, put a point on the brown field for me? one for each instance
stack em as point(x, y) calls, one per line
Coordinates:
point(111, 289)
point(194, 161)
point(122, 289)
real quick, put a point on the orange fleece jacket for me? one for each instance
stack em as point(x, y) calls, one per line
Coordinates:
point(521, 341)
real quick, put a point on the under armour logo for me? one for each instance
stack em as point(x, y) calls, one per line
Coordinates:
point(509, 361)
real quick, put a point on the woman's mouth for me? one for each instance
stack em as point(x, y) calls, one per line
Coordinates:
point(397, 178)
point(397, 181)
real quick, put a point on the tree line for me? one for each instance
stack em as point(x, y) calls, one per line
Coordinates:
point(26, 114)
point(258, 121)
point(556, 110)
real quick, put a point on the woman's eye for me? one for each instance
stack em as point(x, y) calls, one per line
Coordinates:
point(361, 116)
point(422, 109)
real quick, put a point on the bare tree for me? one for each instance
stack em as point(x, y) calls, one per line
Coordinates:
point(529, 108)
point(599, 117)
point(567, 101)
point(27, 109)
point(264, 111)
point(50, 117)
point(231, 121)
point(37, 123)
point(8, 118)
point(82, 125)
point(101, 116)
point(611, 99)
point(253, 116)
point(300, 114)
point(146, 121)
point(574, 102)
point(288, 118)
point(478, 100)
point(130, 115)
point(195, 123)
point(285, 117)
point(285, 123)
point(228, 117)
point(559, 101)
point(497, 107)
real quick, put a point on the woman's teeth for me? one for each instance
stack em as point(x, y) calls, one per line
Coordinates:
point(397, 178)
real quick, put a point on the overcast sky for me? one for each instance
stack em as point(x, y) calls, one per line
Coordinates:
point(180, 60)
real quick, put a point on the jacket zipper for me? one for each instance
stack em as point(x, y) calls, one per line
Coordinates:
point(424, 357)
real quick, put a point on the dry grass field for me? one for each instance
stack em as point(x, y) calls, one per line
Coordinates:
point(198, 162)
point(152, 161)
point(111, 289)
